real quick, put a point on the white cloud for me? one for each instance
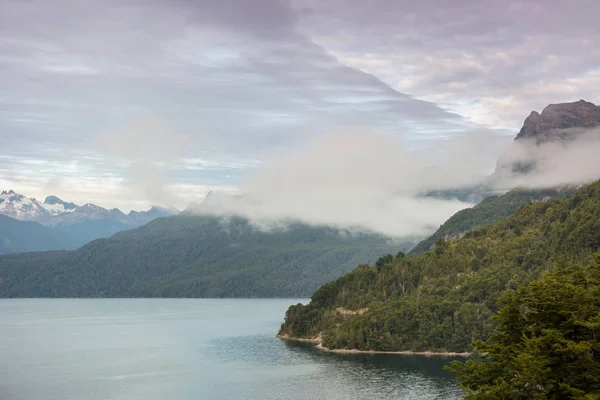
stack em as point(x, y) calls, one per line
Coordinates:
point(360, 180)
point(572, 161)
point(357, 180)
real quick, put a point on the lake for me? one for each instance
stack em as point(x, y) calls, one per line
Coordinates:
point(189, 349)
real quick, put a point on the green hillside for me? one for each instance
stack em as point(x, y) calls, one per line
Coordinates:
point(490, 210)
point(443, 299)
point(194, 256)
point(18, 236)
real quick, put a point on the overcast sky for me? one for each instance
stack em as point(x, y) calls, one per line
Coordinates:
point(130, 103)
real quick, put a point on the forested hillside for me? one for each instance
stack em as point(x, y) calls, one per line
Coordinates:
point(491, 209)
point(443, 299)
point(195, 256)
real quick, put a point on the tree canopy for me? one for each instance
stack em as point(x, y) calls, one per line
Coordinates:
point(546, 342)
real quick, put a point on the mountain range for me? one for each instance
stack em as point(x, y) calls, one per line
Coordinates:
point(70, 224)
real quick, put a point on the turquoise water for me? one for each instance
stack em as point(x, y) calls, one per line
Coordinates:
point(189, 349)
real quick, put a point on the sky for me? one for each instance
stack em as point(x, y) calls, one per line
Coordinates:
point(130, 103)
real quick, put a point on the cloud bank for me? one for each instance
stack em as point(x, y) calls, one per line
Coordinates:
point(567, 162)
point(352, 180)
point(358, 180)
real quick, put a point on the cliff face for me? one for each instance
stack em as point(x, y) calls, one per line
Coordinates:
point(560, 121)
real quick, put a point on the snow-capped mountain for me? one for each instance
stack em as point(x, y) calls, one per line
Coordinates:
point(23, 208)
point(19, 207)
point(82, 223)
point(56, 206)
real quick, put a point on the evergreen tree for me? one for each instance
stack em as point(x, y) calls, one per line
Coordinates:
point(546, 344)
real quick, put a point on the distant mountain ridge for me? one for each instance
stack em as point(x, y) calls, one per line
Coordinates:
point(18, 206)
point(76, 224)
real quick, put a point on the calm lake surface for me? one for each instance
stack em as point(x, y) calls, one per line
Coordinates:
point(189, 349)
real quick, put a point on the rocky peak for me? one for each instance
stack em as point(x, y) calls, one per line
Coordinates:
point(11, 194)
point(560, 121)
point(54, 200)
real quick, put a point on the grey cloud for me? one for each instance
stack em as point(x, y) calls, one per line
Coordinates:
point(141, 74)
point(505, 58)
point(263, 18)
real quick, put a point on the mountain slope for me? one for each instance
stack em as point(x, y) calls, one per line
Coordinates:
point(194, 256)
point(444, 299)
point(491, 209)
point(19, 236)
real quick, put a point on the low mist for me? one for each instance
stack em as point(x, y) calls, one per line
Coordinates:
point(366, 181)
point(356, 181)
point(572, 160)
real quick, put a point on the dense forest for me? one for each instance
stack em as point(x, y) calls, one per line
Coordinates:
point(195, 256)
point(444, 299)
point(491, 209)
point(545, 343)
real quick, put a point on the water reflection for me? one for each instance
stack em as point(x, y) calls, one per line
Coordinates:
point(427, 365)
point(299, 370)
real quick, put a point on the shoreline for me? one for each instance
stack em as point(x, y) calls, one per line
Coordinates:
point(317, 341)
